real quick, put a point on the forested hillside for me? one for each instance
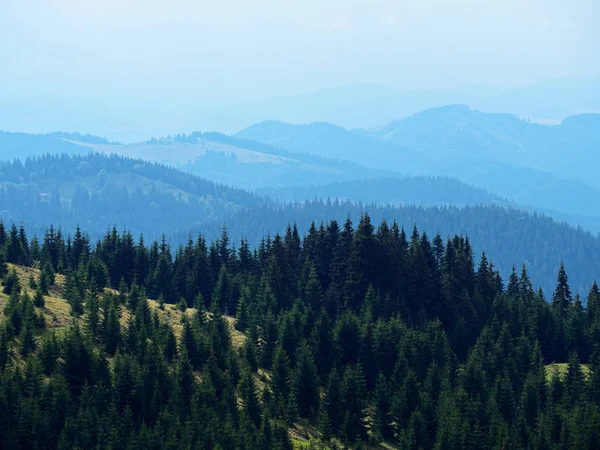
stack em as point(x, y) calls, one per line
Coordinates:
point(423, 191)
point(510, 237)
point(351, 335)
point(97, 192)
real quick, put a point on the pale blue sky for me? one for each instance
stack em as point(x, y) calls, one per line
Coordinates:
point(227, 51)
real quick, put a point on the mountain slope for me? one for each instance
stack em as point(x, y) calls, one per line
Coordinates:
point(423, 191)
point(97, 190)
point(568, 150)
point(520, 161)
point(508, 236)
point(239, 162)
point(23, 145)
point(331, 141)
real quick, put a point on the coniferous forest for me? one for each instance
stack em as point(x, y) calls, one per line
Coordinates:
point(350, 336)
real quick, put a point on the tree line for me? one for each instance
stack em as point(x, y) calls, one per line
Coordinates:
point(366, 333)
point(96, 191)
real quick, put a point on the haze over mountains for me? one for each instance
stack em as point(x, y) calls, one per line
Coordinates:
point(547, 168)
point(350, 106)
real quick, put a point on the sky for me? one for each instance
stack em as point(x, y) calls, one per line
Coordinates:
point(228, 51)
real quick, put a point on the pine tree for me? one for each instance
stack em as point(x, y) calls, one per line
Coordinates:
point(185, 381)
point(38, 300)
point(321, 340)
point(3, 235)
point(49, 353)
point(381, 422)
point(111, 328)
point(13, 247)
point(242, 320)
point(313, 292)
point(594, 381)
point(353, 401)
point(3, 265)
point(12, 283)
point(13, 312)
point(27, 338)
point(280, 375)
point(306, 382)
point(4, 347)
point(268, 336)
point(249, 397)
point(562, 300)
point(93, 315)
point(249, 350)
point(531, 400)
point(574, 380)
point(47, 277)
point(221, 297)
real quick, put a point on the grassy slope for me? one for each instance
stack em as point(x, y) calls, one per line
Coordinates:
point(57, 311)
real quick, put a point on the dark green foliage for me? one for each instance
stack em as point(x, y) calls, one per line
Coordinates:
point(242, 319)
point(367, 335)
point(93, 315)
point(38, 300)
point(3, 265)
point(27, 338)
point(12, 283)
point(305, 382)
point(4, 347)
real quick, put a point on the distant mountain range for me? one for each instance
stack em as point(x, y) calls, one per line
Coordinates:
point(354, 106)
point(370, 105)
point(546, 167)
point(537, 167)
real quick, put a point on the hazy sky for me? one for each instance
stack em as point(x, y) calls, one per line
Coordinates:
point(235, 50)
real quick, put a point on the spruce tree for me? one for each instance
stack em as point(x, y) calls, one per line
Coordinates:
point(381, 419)
point(12, 283)
point(38, 299)
point(594, 381)
point(3, 265)
point(242, 320)
point(49, 353)
point(353, 402)
point(111, 328)
point(249, 397)
point(280, 375)
point(4, 347)
point(27, 338)
point(561, 300)
point(305, 382)
point(574, 379)
point(93, 315)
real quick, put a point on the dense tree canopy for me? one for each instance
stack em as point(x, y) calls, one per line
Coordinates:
point(360, 330)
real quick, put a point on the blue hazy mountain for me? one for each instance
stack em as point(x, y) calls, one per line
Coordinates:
point(352, 106)
point(547, 167)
